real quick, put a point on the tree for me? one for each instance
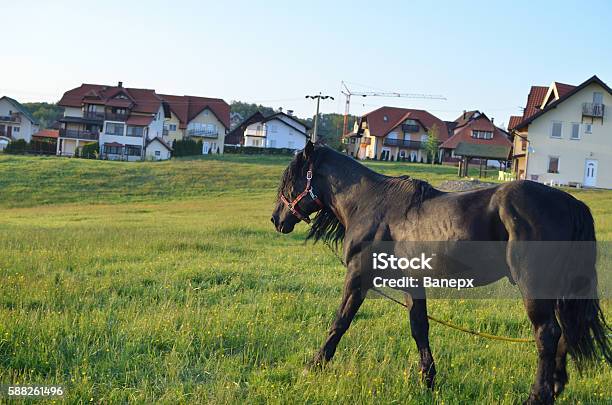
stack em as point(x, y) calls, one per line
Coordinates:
point(45, 113)
point(431, 144)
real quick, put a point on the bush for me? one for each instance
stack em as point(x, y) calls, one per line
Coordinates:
point(17, 147)
point(252, 150)
point(90, 150)
point(187, 147)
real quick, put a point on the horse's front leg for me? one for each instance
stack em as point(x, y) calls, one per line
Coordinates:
point(352, 298)
point(419, 326)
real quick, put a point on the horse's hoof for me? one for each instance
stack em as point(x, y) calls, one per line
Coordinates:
point(559, 387)
point(536, 400)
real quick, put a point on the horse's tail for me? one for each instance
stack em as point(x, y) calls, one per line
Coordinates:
point(582, 320)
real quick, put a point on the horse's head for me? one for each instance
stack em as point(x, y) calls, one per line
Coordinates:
point(296, 197)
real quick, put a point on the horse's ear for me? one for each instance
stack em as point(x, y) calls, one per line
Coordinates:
point(308, 149)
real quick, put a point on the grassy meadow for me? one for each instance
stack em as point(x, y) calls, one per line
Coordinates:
point(165, 281)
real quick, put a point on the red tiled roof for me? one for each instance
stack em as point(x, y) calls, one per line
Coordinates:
point(396, 116)
point(534, 100)
point(563, 88)
point(481, 123)
point(464, 118)
point(140, 120)
point(186, 108)
point(47, 133)
point(145, 100)
point(514, 121)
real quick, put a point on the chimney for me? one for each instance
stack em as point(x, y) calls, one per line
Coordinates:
point(493, 120)
point(290, 113)
point(464, 114)
point(120, 84)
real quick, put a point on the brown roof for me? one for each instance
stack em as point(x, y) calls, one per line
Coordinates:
point(514, 121)
point(481, 123)
point(568, 92)
point(563, 88)
point(534, 100)
point(186, 108)
point(143, 100)
point(47, 133)
point(395, 116)
point(464, 118)
point(139, 120)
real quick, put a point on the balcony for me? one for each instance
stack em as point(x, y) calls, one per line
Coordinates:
point(255, 132)
point(410, 128)
point(79, 134)
point(111, 116)
point(205, 133)
point(403, 143)
point(593, 110)
point(93, 115)
point(10, 118)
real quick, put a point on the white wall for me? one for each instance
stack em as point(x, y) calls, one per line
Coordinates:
point(154, 147)
point(73, 112)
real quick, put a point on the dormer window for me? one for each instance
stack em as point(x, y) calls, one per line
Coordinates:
point(121, 96)
point(482, 134)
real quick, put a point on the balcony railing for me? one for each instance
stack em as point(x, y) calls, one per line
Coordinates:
point(255, 132)
point(94, 115)
point(10, 118)
point(79, 134)
point(593, 110)
point(403, 143)
point(111, 116)
point(410, 128)
point(206, 133)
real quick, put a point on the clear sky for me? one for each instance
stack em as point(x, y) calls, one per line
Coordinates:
point(480, 55)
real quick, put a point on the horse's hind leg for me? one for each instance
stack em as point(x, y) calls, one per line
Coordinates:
point(560, 376)
point(547, 334)
point(419, 327)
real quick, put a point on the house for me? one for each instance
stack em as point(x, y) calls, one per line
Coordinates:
point(121, 119)
point(474, 136)
point(564, 135)
point(16, 122)
point(279, 130)
point(392, 133)
point(199, 118)
point(157, 149)
point(236, 136)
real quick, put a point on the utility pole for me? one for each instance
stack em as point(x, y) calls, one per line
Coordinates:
point(318, 97)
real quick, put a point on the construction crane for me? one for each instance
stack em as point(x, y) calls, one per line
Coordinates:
point(348, 93)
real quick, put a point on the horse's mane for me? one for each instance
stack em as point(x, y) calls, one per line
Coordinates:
point(326, 226)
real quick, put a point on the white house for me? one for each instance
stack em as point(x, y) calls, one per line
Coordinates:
point(123, 121)
point(279, 130)
point(16, 122)
point(157, 149)
point(565, 135)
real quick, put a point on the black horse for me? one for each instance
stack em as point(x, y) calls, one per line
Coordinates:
point(355, 204)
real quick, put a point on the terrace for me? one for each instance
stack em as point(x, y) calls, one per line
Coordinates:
point(596, 110)
point(402, 143)
point(79, 134)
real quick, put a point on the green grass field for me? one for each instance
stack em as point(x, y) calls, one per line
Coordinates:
point(166, 282)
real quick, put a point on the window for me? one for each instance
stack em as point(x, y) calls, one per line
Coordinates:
point(15, 129)
point(482, 134)
point(553, 164)
point(273, 128)
point(113, 128)
point(385, 118)
point(157, 153)
point(588, 128)
point(132, 150)
point(172, 127)
point(114, 150)
point(135, 131)
point(597, 98)
point(575, 130)
point(556, 129)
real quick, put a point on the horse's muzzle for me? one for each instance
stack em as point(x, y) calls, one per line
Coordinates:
point(282, 226)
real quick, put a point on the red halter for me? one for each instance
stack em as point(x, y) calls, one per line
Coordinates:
point(292, 205)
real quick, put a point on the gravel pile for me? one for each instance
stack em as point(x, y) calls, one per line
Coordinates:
point(464, 185)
